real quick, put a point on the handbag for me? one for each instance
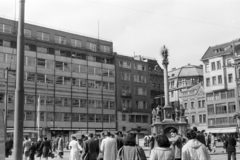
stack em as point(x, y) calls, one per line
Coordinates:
point(86, 157)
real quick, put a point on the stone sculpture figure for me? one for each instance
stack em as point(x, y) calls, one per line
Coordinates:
point(182, 111)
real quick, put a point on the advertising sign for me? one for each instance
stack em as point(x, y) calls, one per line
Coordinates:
point(2, 136)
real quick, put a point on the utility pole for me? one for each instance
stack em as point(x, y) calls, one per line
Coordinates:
point(19, 92)
point(6, 104)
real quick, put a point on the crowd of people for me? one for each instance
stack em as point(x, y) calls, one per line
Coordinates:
point(194, 145)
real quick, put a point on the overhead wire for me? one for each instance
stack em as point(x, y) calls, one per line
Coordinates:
point(165, 15)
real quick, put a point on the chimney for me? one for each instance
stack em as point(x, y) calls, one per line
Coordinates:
point(173, 68)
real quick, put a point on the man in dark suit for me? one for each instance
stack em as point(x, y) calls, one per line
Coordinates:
point(230, 146)
point(90, 148)
point(119, 140)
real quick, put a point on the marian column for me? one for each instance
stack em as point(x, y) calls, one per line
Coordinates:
point(167, 107)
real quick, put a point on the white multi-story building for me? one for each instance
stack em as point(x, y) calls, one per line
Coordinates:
point(220, 86)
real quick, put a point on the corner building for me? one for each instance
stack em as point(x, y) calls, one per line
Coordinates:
point(133, 94)
point(220, 86)
point(73, 75)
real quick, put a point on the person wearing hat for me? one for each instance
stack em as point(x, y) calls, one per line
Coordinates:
point(74, 148)
point(176, 144)
point(193, 149)
point(130, 150)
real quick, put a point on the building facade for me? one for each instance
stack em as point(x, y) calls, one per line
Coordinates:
point(181, 79)
point(133, 88)
point(193, 101)
point(220, 78)
point(73, 77)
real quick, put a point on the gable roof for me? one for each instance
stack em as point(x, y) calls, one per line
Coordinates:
point(186, 71)
point(218, 50)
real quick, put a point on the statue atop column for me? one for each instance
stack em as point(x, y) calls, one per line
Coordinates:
point(177, 113)
point(182, 111)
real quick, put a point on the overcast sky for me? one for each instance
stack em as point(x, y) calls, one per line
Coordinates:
point(186, 27)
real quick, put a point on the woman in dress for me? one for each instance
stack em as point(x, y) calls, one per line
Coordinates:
point(74, 149)
point(45, 148)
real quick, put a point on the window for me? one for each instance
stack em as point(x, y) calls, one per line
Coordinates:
point(193, 119)
point(41, 63)
point(145, 119)
point(59, 80)
point(123, 117)
point(131, 118)
point(230, 78)
point(43, 50)
point(217, 95)
point(232, 120)
point(214, 82)
point(140, 91)
point(125, 64)
point(58, 116)
point(30, 116)
point(219, 65)
point(91, 46)
point(141, 105)
point(125, 76)
point(123, 129)
point(207, 68)
point(209, 97)
point(192, 105)
point(126, 104)
point(75, 68)
point(50, 116)
point(230, 93)
point(83, 117)
point(220, 79)
point(83, 69)
point(231, 107)
point(199, 104)
point(75, 117)
point(83, 103)
point(203, 103)
point(200, 119)
point(126, 90)
point(67, 81)
point(211, 122)
point(210, 108)
point(91, 70)
point(204, 118)
point(76, 43)
point(27, 33)
point(220, 121)
point(98, 118)
point(185, 106)
point(221, 108)
point(43, 36)
point(223, 95)
point(112, 118)
point(112, 86)
point(208, 82)
point(60, 39)
point(104, 48)
point(59, 65)
point(67, 117)
point(5, 28)
point(41, 77)
point(138, 118)
point(31, 61)
point(229, 62)
point(213, 66)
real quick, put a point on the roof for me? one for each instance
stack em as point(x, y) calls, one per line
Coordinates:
point(186, 71)
point(219, 50)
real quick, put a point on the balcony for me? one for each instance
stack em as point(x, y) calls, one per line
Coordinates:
point(126, 95)
point(127, 110)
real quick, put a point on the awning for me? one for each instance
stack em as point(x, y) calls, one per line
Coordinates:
point(222, 130)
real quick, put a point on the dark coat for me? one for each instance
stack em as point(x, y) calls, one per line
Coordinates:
point(45, 148)
point(32, 151)
point(119, 142)
point(131, 153)
point(230, 144)
point(91, 147)
point(201, 138)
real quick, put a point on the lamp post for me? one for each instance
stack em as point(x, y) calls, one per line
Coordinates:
point(167, 108)
point(6, 104)
point(19, 91)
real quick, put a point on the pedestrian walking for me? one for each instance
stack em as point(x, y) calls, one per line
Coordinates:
point(100, 155)
point(213, 142)
point(32, 151)
point(38, 151)
point(230, 146)
point(26, 146)
point(109, 147)
point(130, 150)
point(74, 149)
point(193, 149)
point(162, 151)
point(60, 146)
point(90, 148)
point(223, 139)
point(176, 144)
point(45, 148)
